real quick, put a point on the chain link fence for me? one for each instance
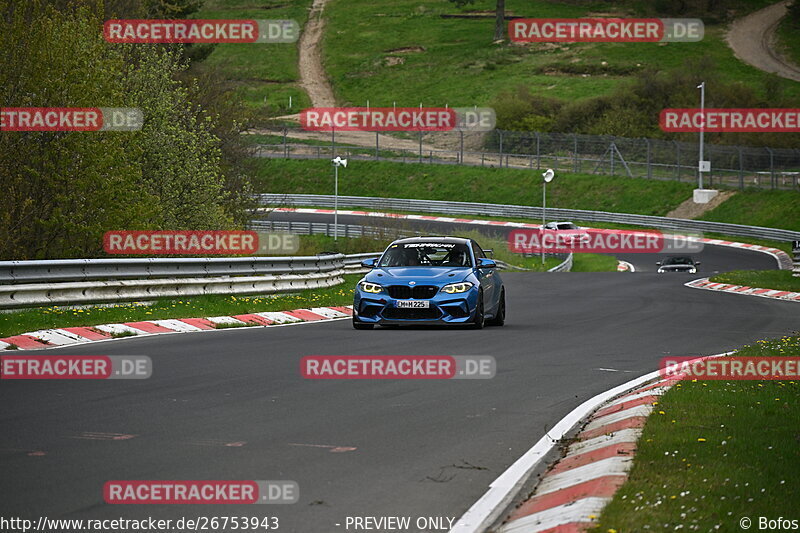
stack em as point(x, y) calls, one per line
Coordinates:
point(731, 166)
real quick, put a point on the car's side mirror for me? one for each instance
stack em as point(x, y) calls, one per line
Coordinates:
point(698, 263)
point(486, 263)
point(369, 263)
point(658, 263)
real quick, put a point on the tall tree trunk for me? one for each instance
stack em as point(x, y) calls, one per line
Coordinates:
point(500, 21)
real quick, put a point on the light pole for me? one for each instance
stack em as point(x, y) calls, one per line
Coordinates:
point(548, 176)
point(337, 162)
point(701, 163)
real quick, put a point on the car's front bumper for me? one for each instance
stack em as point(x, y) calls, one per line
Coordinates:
point(444, 309)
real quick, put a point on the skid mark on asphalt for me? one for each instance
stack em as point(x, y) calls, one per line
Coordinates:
point(444, 476)
point(217, 442)
point(331, 449)
point(29, 453)
point(98, 435)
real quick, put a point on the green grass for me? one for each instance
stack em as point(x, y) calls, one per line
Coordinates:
point(773, 209)
point(714, 452)
point(60, 317)
point(457, 50)
point(593, 263)
point(763, 279)
point(472, 184)
point(789, 39)
point(265, 75)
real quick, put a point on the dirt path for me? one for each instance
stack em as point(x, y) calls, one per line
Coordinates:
point(312, 74)
point(691, 210)
point(753, 40)
point(315, 82)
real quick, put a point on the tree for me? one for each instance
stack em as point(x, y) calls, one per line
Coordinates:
point(63, 190)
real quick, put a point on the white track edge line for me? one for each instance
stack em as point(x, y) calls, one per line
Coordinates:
point(502, 490)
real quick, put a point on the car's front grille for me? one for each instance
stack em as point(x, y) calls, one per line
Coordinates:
point(404, 292)
point(396, 313)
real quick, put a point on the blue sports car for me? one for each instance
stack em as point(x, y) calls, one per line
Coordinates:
point(430, 280)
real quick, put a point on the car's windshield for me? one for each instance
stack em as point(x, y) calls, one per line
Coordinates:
point(678, 261)
point(567, 225)
point(426, 254)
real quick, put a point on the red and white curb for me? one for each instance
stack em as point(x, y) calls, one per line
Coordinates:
point(573, 492)
point(784, 260)
point(50, 338)
point(705, 283)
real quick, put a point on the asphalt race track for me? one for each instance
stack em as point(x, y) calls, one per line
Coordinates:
point(231, 404)
point(713, 258)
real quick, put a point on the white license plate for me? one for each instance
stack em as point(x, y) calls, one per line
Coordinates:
point(416, 304)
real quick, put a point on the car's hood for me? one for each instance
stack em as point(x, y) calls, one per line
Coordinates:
point(420, 275)
point(677, 267)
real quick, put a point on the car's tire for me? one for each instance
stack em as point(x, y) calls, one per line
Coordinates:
point(500, 315)
point(361, 325)
point(479, 319)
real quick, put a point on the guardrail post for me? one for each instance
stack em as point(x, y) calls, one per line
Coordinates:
point(649, 159)
point(461, 155)
point(333, 142)
point(741, 169)
point(611, 150)
point(420, 147)
point(575, 153)
point(538, 153)
point(500, 133)
point(771, 168)
point(377, 147)
point(677, 161)
point(285, 146)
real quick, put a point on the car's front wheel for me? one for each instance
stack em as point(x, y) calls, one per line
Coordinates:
point(479, 319)
point(500, 315)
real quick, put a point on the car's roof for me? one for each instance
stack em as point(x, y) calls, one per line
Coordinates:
point(455, 240)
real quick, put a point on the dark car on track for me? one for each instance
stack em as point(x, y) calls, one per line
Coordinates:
point(430, 280)
point(678, 264)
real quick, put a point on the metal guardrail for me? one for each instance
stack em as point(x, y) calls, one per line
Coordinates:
point(36, 283)
point(528, 212)
point(356, 230)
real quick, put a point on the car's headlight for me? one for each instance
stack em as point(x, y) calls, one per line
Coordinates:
point(455, 288)
point(692, 270)
point(661, 270)
point(372, 288)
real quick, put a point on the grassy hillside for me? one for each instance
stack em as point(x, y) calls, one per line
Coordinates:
point(775, 209)
point(472, 184)
point(264, 74)
point(452, 60)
